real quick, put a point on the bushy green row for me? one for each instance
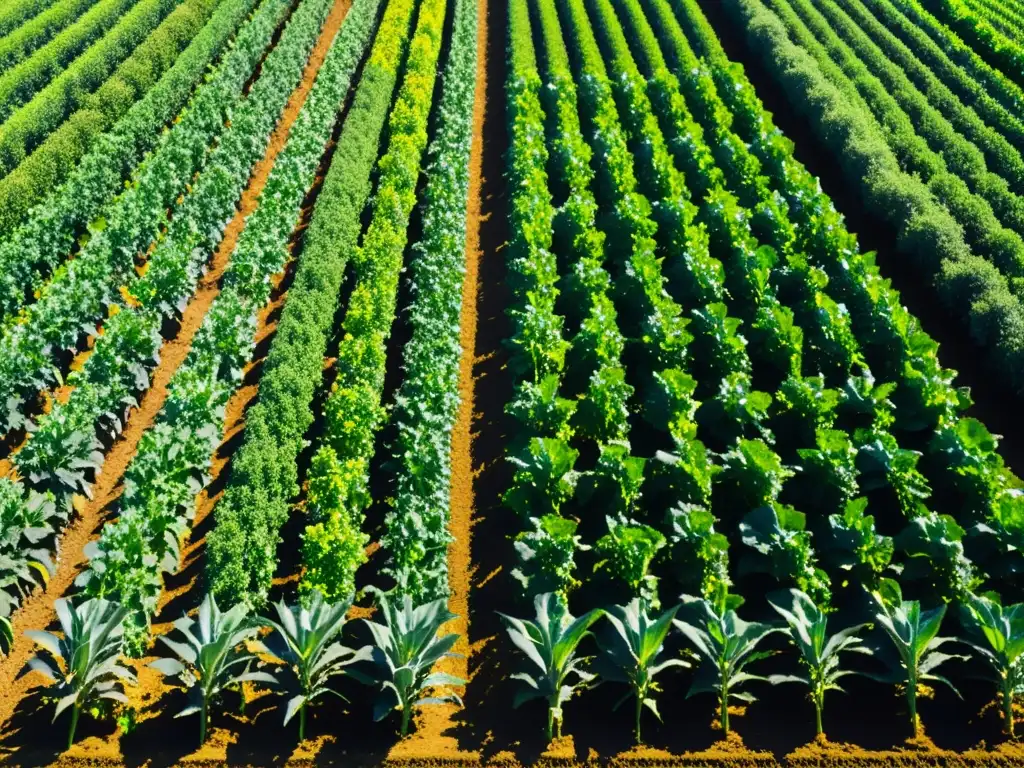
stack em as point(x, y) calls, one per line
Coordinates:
point(970, 286)
point(128, 561)
point(242, 548)
point(72, 302)
point(939, 62)
point(142, 96)
point(32, 34)
point(1002, 52)
point(21, 83)
point(354, 412)
point(18, 12)
point(30, 124)
point(428, 400)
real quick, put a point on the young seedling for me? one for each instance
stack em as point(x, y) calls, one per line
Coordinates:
point(914, 635)
point(212, 658)
point(406, 647)
point(726, 644)
point(83, 664)
point(807, 627)
point(999, 640)
point(306, 639)
point(550, 643)
point(630, 652)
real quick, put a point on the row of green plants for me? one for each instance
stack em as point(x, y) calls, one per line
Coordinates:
point(727, 653)
point(970, 286)
point(167, 66)
point(1003, 17)
point(22, 82)
point(63, 454)
point(969, 88)
point(999, 154)
point(18, 12)
point(39, 30)
point(242, 548)
point(75, 298)
point(428, 399)
point(296, 651)
point(1004, 53)
point(924, 397)
point(1002, 88)
point(975, 213)
point(353, 412)
point(170, 466)
point(27, 126)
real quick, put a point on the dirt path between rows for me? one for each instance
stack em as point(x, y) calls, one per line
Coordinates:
point(37, 612)
point(434, 738)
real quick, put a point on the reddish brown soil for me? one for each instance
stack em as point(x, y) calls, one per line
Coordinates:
point(36, 612)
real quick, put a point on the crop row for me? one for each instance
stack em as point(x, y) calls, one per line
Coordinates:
point(133, 336)
point(128, 561)
point(354, 412)
point(23, 81)
point(428, 398)
point(27, 126)
point(242, 548)
point(75, 298)
point(146, 91)
point(974, 26)
point(928, 235)
point(18, 12)
point(42, 28)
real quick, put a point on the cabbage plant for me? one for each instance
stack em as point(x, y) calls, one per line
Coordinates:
point(550, 643)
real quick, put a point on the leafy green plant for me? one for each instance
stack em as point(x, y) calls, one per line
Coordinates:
point(547, 555)
point(630, 652)
point(807, 627)
point(406, 647)
point(998, 637)
point(853, 544)
point(700, 554)
point(626, 552)
point(756, 472)
point(914, 635)
point(550, 642)
point(544, 477)
point(211, 657)
point(725, 645)
point(306, 638)
point(778, 534)
point(84, 662)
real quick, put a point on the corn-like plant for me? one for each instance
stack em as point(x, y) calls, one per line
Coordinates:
point(306, 639)
point(999, 640)
point(83, 664)
point(914, 635)
point(807, 627)
point(726, 645)
point(550, 643)
point(6, 635)
point(406, 647)
point(212, 657)
point(630, 651)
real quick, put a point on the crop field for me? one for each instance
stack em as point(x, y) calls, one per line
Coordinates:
point(511, 382)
